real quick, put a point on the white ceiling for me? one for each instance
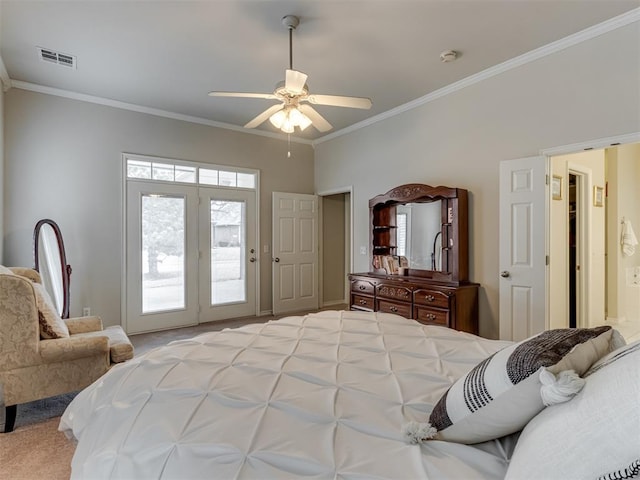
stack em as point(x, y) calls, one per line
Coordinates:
point(168, 55)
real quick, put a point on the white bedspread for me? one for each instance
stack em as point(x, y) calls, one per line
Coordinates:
point(322, 396)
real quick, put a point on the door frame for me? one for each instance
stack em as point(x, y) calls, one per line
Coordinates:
point(583, 241)
point(349, 254)
point(547, 153)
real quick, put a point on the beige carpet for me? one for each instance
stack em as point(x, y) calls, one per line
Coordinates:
point(35, 452)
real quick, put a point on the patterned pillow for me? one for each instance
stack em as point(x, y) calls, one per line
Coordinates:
point(51, 325)
point(502, 393)
point(596, 435)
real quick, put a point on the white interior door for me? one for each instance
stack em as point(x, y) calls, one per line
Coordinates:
point(295, 252)
point(523, 210)
point(161, 256)
point(228, 253)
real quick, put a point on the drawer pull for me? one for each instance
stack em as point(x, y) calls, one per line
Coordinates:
point(429, 298)
point(362, 301)
point(362, 287)
point(393, 309)
point(431, 316)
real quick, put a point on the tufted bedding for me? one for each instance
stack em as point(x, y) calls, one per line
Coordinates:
point(321, 396)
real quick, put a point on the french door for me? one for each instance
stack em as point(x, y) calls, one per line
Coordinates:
point(190, 255)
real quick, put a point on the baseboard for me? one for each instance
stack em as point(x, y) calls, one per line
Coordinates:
point(265, 313)
point(334, 302)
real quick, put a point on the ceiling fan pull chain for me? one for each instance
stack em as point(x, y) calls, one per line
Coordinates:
point(288, 145)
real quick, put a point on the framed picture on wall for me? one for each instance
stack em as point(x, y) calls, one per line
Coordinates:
point(556, 187)
point(598, 196)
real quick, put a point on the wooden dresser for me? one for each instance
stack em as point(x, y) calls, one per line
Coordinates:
point(419, 257)
point(414, 297)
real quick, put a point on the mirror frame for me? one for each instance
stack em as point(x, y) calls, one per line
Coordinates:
point(454, 226)
point(64, 267)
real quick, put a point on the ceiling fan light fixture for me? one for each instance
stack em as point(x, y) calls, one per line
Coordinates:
point(289, 118)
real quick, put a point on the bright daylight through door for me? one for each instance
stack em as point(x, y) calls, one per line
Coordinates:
point(228, 280)
point(163, 279)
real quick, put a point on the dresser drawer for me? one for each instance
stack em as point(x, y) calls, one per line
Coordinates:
point(393, 292)
point(402, 309)
point(431, 298)
point(360, 286)
point(362, 303)
point(431, 316)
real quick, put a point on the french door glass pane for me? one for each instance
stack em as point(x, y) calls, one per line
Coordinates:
point(163, 272)
point(228, 245)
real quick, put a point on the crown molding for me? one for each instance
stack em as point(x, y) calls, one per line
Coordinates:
point(607, 26)
point(33, 87)
point(4, 77)
point(596, 144)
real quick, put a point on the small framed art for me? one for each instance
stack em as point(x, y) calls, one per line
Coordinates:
point(556, 187)
point(598, 196)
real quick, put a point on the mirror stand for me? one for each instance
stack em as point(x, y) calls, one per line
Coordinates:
point(51, 263)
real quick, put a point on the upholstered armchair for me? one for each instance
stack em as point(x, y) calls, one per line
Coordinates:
point(32, 368)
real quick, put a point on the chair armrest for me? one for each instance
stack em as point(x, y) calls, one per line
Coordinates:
point(62, 349)
point(83, 324)
point(29, 273)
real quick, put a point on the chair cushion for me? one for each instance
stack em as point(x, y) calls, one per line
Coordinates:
point(51, 324)
point(120, 346)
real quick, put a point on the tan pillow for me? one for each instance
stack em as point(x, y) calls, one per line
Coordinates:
point(51, 325)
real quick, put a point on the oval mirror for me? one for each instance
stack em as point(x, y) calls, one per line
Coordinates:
point(51, 263)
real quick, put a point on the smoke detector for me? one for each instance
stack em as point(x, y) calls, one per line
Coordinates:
point(448, 56)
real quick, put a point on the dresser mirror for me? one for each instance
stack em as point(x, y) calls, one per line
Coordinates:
point(419, 234)
point(423, 229)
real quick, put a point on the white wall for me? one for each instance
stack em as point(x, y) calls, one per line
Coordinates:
point(1, 172)
point(623, 202)
point(63, 161)
point(584, 92)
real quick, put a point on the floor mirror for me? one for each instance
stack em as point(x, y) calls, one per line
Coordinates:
point(51, 263)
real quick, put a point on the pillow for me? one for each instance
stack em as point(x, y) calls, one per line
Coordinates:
point(5, 271)
point(595, 435)
point(51, 325)
point(503, 392)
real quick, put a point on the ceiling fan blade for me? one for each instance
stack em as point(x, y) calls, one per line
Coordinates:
point(339, 101)
point(294, 81)
point(264, 116)
point(268, 96)
point(318, 120)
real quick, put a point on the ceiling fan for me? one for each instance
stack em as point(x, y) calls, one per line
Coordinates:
point(294, 109)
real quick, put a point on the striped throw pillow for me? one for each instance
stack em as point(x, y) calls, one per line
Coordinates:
point(502, 393)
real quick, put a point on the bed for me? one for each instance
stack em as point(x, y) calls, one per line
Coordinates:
point(319, 396)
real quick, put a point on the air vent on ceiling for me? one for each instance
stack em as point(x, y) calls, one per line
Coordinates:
point(51, 56)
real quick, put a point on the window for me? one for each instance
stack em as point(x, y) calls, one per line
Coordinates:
point(167, 170)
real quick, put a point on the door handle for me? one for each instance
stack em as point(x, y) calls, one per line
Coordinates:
point(252, 259)
point(276, 259)
point(505, 274)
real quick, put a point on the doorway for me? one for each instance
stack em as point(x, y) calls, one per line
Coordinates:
point(336, 248)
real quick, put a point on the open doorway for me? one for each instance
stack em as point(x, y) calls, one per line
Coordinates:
point(591, 281)
point(335, 249)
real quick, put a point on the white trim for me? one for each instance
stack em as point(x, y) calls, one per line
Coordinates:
point(4, 77)
point(148, 110)
point(536, 54)
point(592, 144)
